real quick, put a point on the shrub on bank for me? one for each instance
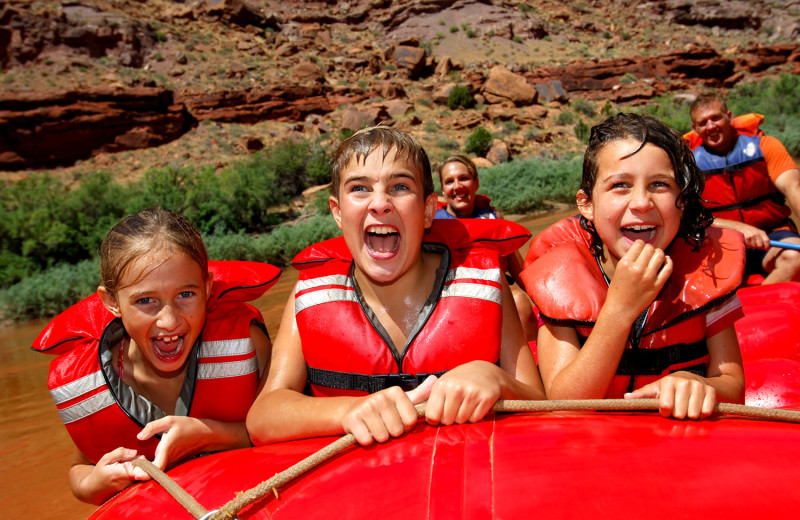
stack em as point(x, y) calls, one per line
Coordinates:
point(53, 290)
point(44, 222)
point(525, 185)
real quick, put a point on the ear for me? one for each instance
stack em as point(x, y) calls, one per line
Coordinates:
point(333, 203)
point(109, 301)
point(585, 205)
point(209, 285)
point(431, 205)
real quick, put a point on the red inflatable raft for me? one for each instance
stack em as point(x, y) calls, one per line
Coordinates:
point(545, 465)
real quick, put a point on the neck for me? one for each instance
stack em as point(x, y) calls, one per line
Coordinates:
point(462, 214)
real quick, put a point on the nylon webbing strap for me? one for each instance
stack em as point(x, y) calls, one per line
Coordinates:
point(646, 362)
point(774, 197)
point(364, 382)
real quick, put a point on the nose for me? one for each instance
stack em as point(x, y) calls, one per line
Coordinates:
point(168, 318)
point(640, 200)
point(380, 203)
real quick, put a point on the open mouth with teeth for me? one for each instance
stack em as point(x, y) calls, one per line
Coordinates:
point(167, 348)
point(634, 233)
point(382, 241)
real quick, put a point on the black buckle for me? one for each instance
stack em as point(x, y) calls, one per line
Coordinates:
point(405, 381)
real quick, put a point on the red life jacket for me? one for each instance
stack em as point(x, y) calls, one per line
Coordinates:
point(564, 280)
point(347, 350)
point(738, 186)
point(221, 381)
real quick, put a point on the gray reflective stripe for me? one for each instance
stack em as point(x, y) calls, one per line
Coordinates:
point(304, 301)
point(334, 279)
point(230, 369)
point(474, 290)
point(86, 407)
point(226, 347)
point(461, 273)
point(77, 388)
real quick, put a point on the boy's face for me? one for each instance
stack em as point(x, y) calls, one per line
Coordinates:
point(383, 214)
point(634, 198)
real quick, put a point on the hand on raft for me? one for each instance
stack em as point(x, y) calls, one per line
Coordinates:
point(680, 395)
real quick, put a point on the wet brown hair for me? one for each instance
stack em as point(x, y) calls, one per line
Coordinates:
point(691, 181)
point(362, 143)
point(142, 233)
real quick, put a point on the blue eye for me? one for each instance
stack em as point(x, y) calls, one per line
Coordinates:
point(144, 301)
point(358, 188)
point(187, 294)
point(400, 187)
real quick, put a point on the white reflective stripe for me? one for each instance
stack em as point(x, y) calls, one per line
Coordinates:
point(474, 290)
point(334, 279)
point(226, 347)
point(461, 273)
point(62, 394)
point(86, 407)
point(230, 369)
point(304, 301)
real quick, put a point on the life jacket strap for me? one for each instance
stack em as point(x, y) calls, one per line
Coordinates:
point(774, 197)
point(647, 362)
point(366, 383)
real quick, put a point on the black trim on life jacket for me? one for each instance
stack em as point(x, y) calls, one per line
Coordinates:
point(651, 362)
point(775, 197)
point(364, 382)
point(733, 168)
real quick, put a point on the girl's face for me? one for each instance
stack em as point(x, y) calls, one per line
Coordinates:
point(383, 212)
point(459, 188)
point(163, 308)
point(633, 199)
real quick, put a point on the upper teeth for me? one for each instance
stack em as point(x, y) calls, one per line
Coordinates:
point(381, 230)
point(640, 228)
point(167, 339)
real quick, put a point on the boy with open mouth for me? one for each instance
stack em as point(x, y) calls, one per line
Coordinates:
point(396, 312)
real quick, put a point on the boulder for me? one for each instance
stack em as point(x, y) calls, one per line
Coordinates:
point(409, 59)
point(504, 85)
point(498, 153)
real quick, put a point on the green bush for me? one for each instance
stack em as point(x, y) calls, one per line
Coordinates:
point(582, 131)
point(565, 118)
point(479, 142)
point(525, 185)
point(779, 102)
point(460, 96)
point(50, 291)
point(583, 107)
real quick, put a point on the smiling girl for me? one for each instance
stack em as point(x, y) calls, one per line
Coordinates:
point(163, 361)
point(638, 293)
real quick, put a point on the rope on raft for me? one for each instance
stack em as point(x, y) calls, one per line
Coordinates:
point(172, 487)
point(271, 485)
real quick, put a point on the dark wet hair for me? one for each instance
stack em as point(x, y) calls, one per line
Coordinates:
point(143, 232)
point(463, 159)
point(703, 100)
point(362, 143)
point(691, 181)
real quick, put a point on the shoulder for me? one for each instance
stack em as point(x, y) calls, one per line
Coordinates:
point(442, 213)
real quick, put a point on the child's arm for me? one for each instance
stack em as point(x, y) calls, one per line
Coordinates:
point(570, 371)
point(282, 412)
point(96, 483)
point(468, 392)
point(684, 394)
point(186, 436)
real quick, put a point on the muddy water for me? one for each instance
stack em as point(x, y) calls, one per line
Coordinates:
point(35, 449)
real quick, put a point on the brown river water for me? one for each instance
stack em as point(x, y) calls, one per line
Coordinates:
point(35, 450)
